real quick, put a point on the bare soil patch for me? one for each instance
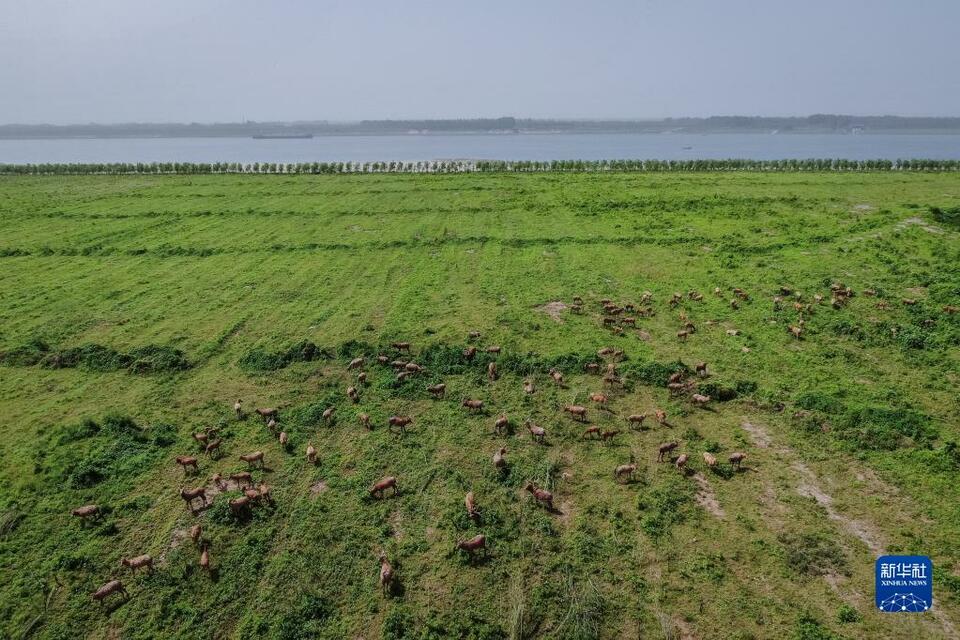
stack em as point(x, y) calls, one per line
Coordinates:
point(706, 498)
point(553, 309)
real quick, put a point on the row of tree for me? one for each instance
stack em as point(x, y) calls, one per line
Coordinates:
point(482, 166)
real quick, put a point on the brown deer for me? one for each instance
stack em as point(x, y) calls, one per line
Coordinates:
point(251, 458)
point(699, 399)
point(591, 367)
point(557, 377)
point(624, 470)
point(475, 405)
point(238, 409)
point(492, 371)
point(114, 586)
point(681, 462)
point(201, 438)
point(599, 398)
point(437, 390)
point(399, 421)
point(284, 439)
point(242, 478)
point(364, 420)
point(542, 496)
point(353, 394)
point(661, 417)
point(188, 461)
point(473, 335)
point(311, 453)
point(710, 459)
point(471, 504)
point(493, 349)
point(528, 386)
point(328, 413)
point(665, 448)
point(607, 435)
point(189, 495)
point(401, 346)
point(637, 418)
point(702, 369)
point(538, 433)
point(592, 430)
point(469, 353)
point(501, 424)
point(386, 574)
point(577, 412)
point(473, 545)
point(137, 562)
point(380, 487)
point(205, 558)
point(356, 363)
point(213, 447)
point(362, 378)
point(499, 459)
point(196, 533)
point(86, 511)
point(272, 425)
point(266, 414)
point(737, 458)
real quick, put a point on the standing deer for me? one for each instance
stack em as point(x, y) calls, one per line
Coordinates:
point(474, 544)
point(114, 586)
point(665, 448)
point(137, 562)
point(378, 488)
point(542, 495)
point(471, 504)
point(386, 573)
point(737, 458)
point(538, 433)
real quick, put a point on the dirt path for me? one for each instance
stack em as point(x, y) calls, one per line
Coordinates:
point(706, 498)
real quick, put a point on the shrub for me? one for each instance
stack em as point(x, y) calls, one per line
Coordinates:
point(259, 360)
point(948, 216)
point(880, 428)
point(847, 614)
point(812, 554)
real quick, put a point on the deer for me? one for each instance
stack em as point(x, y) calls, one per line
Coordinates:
point(577, 412)
point(492, 371)
point(473, 335)
point(666, 448)
point(239, 506)
point(250, 458)
point(137, 562)
point(599, 398)
point(86, 511)
point(611, 379)
point(475, 405)
point(187, 461)
point(266, 414)
point(356, 363)
point(213, 446)
point(284, 439)
point(399, 421)
point(386, 573)
point(378, 489)
point(272, 425)
point(538, 433)
point(189, 495)
point(734, 304)
point(681, 462)
point(624, 470)
point(605, 351)
point(499, 459)
point(382, 359)
point(265, 493)
point(528, 387)
point(661, 417)
point(413, 367)
point(592, 430)
point(701, 368)
point(205, 558)
point(608, 435)
point(401, 346)
point(542, 496)
point(201, 438)
point(591, 367)
point(493, 349)
point(437, 390)
point(469, 353)
point(242, 478)
point(699, 399)
point(114, 586)
point(474, 544)
point(501, 424)
point(682, 335)
point(238, 408)
point(471, 504)
point(557, 377)
point(328, 413)
point(636, 418)
point(311, 453)
point(737, 458)
point(217, 481)
point(364, 420)
point(796, 331)
point(709, 459)
point(353, 394)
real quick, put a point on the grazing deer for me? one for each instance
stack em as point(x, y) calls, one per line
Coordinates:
point(201, 438)
point(189, 495)
point(501, 424)
point(469, 353)
point(683, 334)
point(493, 349)
point(356, 363)
point(311, 453)
point(542, 495)
point(242, 478)
point(266, 414)
point(737, 458)
point(378, 489)
point(476, 405)
point(796, 331)
point(238, 409)
point(591, 367)
point(699, 399)
point(364, 420)
point(205, 558)
point(624, 470)
point(353, 394)
point(710, 459)
point(557, 377)
point(251, 458)
point(413, 367)
point(701, 368)
point(217, 481)
point(499, 459)
point(666, 448)
point(438, 390)
point(86, 511)
point(114, 586)
point(474, 544)
point(137, 562)
point(386, 574)
point(492, 371)
point(213, 447)
point(607, 435)
point(399, 421)
point(592, 430)
point(605, 351)
point(328, 413)
point(401, 346)
point(681, 462)
point(661, 417)
point(196, 533)
point(599, 398)
point(577, 412)
point(239, 506)
point(473, 335)
point(636, 418)
point(284, 439)
point(382, 359)
point(528, 386)
point(538, 433)
point(471, 504)
point(188, 461)
point(272, 425)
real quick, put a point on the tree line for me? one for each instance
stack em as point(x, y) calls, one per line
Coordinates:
point(477, 166)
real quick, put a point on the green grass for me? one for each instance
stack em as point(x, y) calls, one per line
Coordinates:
point(134, 310)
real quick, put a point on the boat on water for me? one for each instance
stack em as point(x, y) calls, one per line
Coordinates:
point(282, 136)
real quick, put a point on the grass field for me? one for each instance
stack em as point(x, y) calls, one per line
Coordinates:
point(134, 311)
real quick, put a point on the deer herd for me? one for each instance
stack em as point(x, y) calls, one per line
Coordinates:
point(613, 317)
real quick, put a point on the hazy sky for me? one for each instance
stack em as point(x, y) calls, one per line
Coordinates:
point(225, 60)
